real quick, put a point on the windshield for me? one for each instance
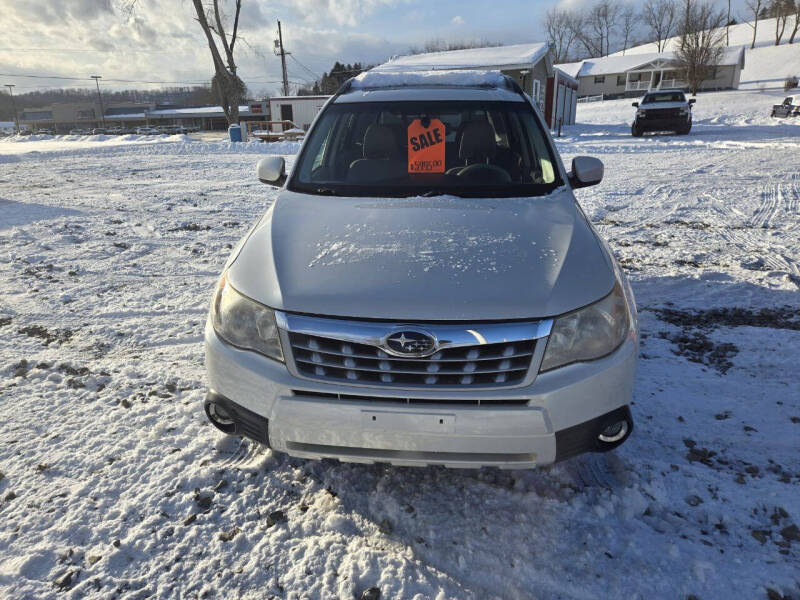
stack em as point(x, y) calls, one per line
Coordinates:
point(664, 97)
point(427, 148)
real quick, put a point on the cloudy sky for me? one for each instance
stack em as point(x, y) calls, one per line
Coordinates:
point(160, 41)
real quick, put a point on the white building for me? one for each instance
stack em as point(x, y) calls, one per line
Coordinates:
point(300, 110)
point(633, 74)
point(530, 65)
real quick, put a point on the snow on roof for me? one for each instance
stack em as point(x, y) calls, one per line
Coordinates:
point(245, 109)
point(571, 69)
point(211, 111)
point(610, 65)
point(517, 55)
point(383, 79)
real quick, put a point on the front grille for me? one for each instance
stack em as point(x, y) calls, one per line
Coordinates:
point(416, 401)
point(490, 365)
point(663, 113)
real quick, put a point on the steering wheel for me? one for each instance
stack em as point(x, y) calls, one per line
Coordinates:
point(484, 173)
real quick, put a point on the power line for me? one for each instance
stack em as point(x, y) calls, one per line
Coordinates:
point(59, 50)
point(87, 79)
point(316, 75)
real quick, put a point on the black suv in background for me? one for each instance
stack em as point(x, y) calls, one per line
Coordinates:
point(663, 110)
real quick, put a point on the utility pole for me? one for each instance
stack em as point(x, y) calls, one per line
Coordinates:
point(279, 51)
point(10, 87)
point(97, 79)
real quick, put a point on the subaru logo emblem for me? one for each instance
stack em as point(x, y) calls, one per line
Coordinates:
point(409, 342)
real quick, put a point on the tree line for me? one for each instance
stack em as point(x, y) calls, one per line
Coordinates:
point(184, 96)
point(332, 80)
point(607, 26)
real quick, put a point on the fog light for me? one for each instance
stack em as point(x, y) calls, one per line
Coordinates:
point(219, 414)
point(614, 432)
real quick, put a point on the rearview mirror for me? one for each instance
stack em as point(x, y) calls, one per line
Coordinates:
point(272, 170)
point(586, 171)
point(636, 104)
point(692, 100)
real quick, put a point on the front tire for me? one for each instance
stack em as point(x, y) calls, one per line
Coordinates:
point(685, 130)
point(635, 131)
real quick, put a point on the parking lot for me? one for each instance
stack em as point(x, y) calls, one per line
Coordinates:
point(113, 482)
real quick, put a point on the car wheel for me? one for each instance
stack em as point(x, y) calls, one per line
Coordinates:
point(772, 114)
point(636, 132)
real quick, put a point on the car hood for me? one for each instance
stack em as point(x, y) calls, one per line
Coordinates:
point(423, 259)
point(653, 105)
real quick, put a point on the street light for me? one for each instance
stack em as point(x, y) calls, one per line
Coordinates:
point(10, 87)
point(97, 79)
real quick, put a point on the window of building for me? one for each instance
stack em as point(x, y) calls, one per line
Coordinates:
point(620, 79)
point(600, 79)
point(37, 115)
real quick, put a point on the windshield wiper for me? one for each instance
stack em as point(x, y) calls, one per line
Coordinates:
point(324, 191)
point(434, 193)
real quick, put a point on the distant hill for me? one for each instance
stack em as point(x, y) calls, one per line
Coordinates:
point(765, 66)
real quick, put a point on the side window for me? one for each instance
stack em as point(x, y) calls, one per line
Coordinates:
point(620, 80)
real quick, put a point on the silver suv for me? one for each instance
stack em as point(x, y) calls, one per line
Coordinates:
point(425, 289)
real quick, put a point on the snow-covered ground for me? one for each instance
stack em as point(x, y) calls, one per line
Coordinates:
point(114, 486)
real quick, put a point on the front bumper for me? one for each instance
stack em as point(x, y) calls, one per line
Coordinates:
point(555, 417)
point(674, 124)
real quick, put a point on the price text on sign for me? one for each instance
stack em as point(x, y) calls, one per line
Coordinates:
point(426, 147)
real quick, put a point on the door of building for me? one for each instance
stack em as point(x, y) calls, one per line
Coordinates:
point(287, 114)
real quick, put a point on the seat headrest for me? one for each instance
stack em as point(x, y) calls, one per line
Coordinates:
point(477, 141)
point(380, 143)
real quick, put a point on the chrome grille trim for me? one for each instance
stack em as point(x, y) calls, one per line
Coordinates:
point(469, 356)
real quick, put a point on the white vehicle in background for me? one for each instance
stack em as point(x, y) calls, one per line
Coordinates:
point(147, 131)
point(425, 289)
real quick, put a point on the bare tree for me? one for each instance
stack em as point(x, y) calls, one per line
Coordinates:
point(602, 20)
point(226, 84)
point(780, 10)
point(796, 27)
point(659, 17)
point(578, 24)
point(628, 23)
point(700, 41)
point(754, 7)
point(728, 25)
point(560, 33)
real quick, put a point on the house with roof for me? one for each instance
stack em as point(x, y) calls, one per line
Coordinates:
point(634, 74)
point(530, 65)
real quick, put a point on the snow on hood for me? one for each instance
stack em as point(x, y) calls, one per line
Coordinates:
point(379, 79)
point(424, 258)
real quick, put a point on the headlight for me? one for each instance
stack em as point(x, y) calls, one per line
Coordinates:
point(588, 333)
point(684, 111)
point(641, 112)
point(244, 323)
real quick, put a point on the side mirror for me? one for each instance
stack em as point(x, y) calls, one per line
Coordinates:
point(586, 171)
point(636, 104)
point(692, 100)
point(272, 170)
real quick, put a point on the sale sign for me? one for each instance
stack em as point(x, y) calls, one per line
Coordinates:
point(426, 146)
